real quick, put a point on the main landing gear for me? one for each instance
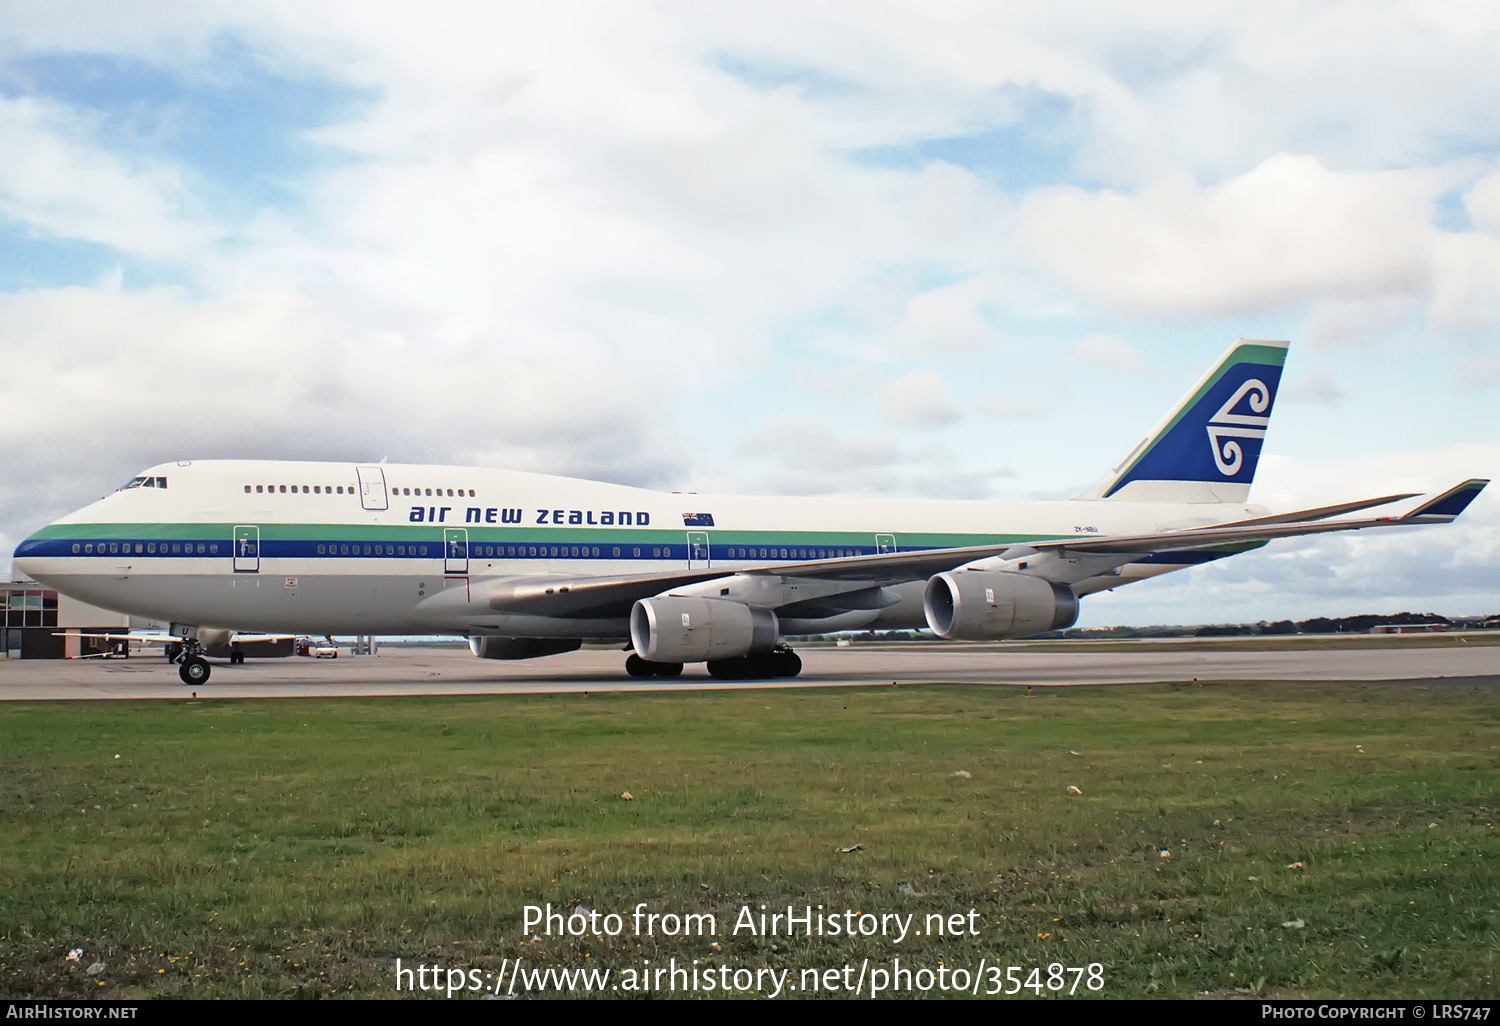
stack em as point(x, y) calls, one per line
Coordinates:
point(638, 667)
point(779, 662)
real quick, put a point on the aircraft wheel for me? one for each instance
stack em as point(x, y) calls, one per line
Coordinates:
point(193, 671)
point(785, 663)
point(638, 667)
point(236, 658)
point(741, 668)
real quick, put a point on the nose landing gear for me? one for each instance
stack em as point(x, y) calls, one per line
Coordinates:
point(192, 667)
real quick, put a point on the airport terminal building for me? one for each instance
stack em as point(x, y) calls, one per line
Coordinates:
point(38, 623)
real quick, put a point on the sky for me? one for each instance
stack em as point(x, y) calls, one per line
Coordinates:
point(947, 250)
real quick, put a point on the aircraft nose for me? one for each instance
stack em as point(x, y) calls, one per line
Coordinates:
point(28, 554)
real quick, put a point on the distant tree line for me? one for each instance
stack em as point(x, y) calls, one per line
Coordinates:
point(1359, 624)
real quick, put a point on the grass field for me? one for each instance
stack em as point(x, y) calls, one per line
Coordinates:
point(298, 848)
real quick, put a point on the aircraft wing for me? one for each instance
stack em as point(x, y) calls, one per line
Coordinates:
point(613, 596)
point(1441, 509)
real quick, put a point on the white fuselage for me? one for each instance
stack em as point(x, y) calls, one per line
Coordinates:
point(411, 549)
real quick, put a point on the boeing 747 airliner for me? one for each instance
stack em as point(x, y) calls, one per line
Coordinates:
point(528, 565)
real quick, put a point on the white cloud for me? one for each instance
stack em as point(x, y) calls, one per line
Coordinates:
point(1319, 388)
point(1288, 231)
point(1466, 293)
point(1109, 352)
point(919, 400)
point(56, 181)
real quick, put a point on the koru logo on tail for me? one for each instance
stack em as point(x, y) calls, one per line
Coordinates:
point(1227, 425)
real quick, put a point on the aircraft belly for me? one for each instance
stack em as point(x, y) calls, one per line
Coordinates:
point(322, 604)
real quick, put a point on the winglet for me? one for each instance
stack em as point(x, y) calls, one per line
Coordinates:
point(1446, 507)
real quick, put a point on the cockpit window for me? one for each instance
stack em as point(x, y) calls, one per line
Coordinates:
point(144, 482)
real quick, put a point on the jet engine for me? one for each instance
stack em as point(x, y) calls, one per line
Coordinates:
point(993, 605)
point(672, 629)
point(491, 647)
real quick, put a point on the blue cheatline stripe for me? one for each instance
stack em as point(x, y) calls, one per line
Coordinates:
point(84, 548)
point(310, 549)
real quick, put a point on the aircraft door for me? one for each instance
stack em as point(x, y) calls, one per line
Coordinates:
point(456, 551)
point(246, 549)
point(697, 548)
point(885, 543)
point(372, 493)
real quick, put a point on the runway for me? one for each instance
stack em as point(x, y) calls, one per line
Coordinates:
point(453, 671)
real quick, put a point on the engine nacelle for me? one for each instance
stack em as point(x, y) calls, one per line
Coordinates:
point(491, 647)
point(672, 629)
point(987, 605)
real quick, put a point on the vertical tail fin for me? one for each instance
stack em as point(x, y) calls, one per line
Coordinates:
point(1207, 448)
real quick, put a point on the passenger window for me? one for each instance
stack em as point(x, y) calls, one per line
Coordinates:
point(75, 548)
point(247, 489)
point(176, 548)
point(422, 551)
point(88, 549)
